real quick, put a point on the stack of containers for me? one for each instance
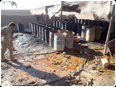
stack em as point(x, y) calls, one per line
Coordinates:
point(69, 38)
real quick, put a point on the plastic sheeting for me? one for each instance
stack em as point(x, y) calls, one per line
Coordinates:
point(53, 10)
point(98, 8)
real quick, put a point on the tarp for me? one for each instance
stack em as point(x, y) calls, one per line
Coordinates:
point(52, 10)
point(100, 9)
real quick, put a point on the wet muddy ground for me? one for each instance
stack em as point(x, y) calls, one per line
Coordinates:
point(38, 63)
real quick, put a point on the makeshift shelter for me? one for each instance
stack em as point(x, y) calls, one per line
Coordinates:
point(97, 8)
point(92, 10)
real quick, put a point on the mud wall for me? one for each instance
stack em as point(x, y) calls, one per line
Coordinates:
point(16, 12)
point(25, 19)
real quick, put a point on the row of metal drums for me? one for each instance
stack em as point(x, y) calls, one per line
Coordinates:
point(76, 26)
point(41, 30)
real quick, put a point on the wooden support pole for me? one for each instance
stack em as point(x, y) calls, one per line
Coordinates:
point(109, 31)
point(61, 14)
point(46, 15)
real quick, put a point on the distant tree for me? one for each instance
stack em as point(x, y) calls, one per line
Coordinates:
point(13, 3)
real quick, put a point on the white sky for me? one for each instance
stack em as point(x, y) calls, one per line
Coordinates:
point(28, 4)
point(31, 4)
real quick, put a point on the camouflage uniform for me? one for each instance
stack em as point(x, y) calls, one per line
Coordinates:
point(6, 34)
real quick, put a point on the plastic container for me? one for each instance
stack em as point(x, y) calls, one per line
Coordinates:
point(76, 38)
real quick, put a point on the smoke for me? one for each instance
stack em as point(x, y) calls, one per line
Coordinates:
point(100, 9)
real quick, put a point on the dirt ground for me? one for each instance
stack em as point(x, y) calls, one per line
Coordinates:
point(37, 63)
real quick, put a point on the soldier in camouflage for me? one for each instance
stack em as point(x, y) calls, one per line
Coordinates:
point(6, 40)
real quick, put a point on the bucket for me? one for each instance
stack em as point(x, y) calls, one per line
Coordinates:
point(76, 38)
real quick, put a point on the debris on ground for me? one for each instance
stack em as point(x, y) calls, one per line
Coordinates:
point(37, 64)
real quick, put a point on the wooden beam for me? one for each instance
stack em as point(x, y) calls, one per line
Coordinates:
point(61, 14)
point(46, 15)
point(109, 30)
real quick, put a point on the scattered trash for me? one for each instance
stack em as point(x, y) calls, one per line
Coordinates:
point(64, 53)
point(6, 83)
point(28, 66)
point(76, 38)
point(105, 62)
